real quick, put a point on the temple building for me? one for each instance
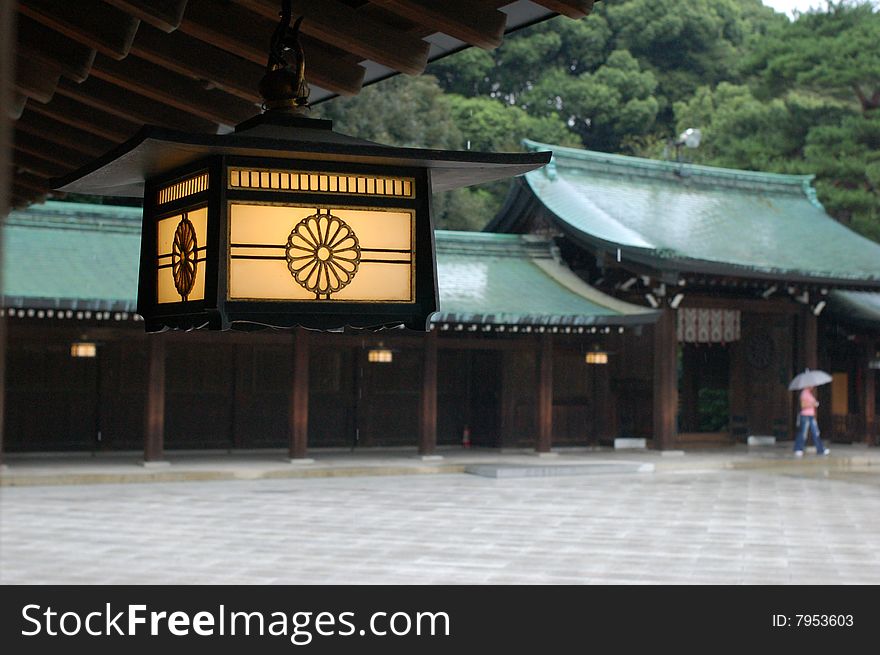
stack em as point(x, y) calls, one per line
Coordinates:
point(611, 298)
point(741, 265)
point(504, 365)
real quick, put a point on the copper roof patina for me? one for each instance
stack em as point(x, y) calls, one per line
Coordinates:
point(63, 255)
point(680, 217)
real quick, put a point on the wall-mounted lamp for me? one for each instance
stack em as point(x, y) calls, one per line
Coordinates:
point(83, 349)
point(819, 307)
point(652, 300)
point(596, 356)
point(676, 300)
point(380, 355)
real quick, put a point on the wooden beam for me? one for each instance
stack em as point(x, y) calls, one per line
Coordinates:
point(869, 407)
point(809, 340)
point(30, 195)
point(171, 89)
point(71, 112)
point(89, 22)
point(35, 79)
point(16, 104)
point(339, 25)
point(33, 183)
point(428, 407)
point(154, 416)
point(164, 14)
point(37, 41)
point(544, 441)
point(571, 8)
point(39, 125)
point(462, 19)
point(132, 106)
point(299, 396)
point(39, 147)
point(241, 32)
point(38, 165)
point(665, 381)
point(186, 55)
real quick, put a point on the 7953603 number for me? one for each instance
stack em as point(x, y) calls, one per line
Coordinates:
point(823, 620)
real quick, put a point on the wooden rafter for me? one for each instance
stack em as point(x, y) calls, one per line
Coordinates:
point(338, 24)
point(40, 147)
point(164, 14)
point(36, 41)
point(17, 105)
point(35, 79)
point(89, 22)
point(465, 20)
point(173, 90)
point(247, 35)
point(88, 118)
point(132, 106)
point(38, 165)
point(33, 183)
point(186, 55)
point(71, 137)
point(571, 8)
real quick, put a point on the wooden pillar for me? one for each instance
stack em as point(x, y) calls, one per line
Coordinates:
point(870, 397)
point(545, 395)
point(810, 345)
point(241, 381)
point(665, 381)
point(428, 407)
point(154, 432)
point(299, 396)
point(7, 76)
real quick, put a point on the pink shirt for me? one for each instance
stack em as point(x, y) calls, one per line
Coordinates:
point(808, 403)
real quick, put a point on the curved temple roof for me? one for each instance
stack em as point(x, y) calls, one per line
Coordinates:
point(682, 217)
point(63, 255)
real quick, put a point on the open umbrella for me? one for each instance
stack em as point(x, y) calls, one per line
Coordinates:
point(809, 378)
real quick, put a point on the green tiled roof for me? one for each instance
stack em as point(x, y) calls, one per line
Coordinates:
point(71, 255)
point(68, 255)
point(684, 217)
point(514, 279)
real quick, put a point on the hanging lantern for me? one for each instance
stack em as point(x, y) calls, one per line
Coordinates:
point(284, 222)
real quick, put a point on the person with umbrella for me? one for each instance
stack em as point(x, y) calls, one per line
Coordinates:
point(807, 382)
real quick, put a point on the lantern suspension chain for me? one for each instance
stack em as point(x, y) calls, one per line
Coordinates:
point(284, 85)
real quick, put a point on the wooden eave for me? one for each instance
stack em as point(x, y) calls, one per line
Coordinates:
point(91, 73)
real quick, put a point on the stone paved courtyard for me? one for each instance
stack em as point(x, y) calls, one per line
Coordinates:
point(810, 525)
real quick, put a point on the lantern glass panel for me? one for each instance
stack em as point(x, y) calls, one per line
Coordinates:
point(321, 253)
point(180, 256)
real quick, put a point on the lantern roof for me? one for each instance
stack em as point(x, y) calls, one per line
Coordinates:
point(282, 135)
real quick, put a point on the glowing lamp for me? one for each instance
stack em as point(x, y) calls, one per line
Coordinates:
point(380, 355)
point(283, 222)
point(83, 349)
point(596, 356)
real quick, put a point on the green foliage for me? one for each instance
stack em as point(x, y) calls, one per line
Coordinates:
point(834, 52)
point(768, 93)
point(400, 111)
point(414, 112)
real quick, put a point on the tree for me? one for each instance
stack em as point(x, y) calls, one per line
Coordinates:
point(834, 53)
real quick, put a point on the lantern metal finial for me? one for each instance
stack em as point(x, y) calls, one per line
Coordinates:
point(284, 86)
